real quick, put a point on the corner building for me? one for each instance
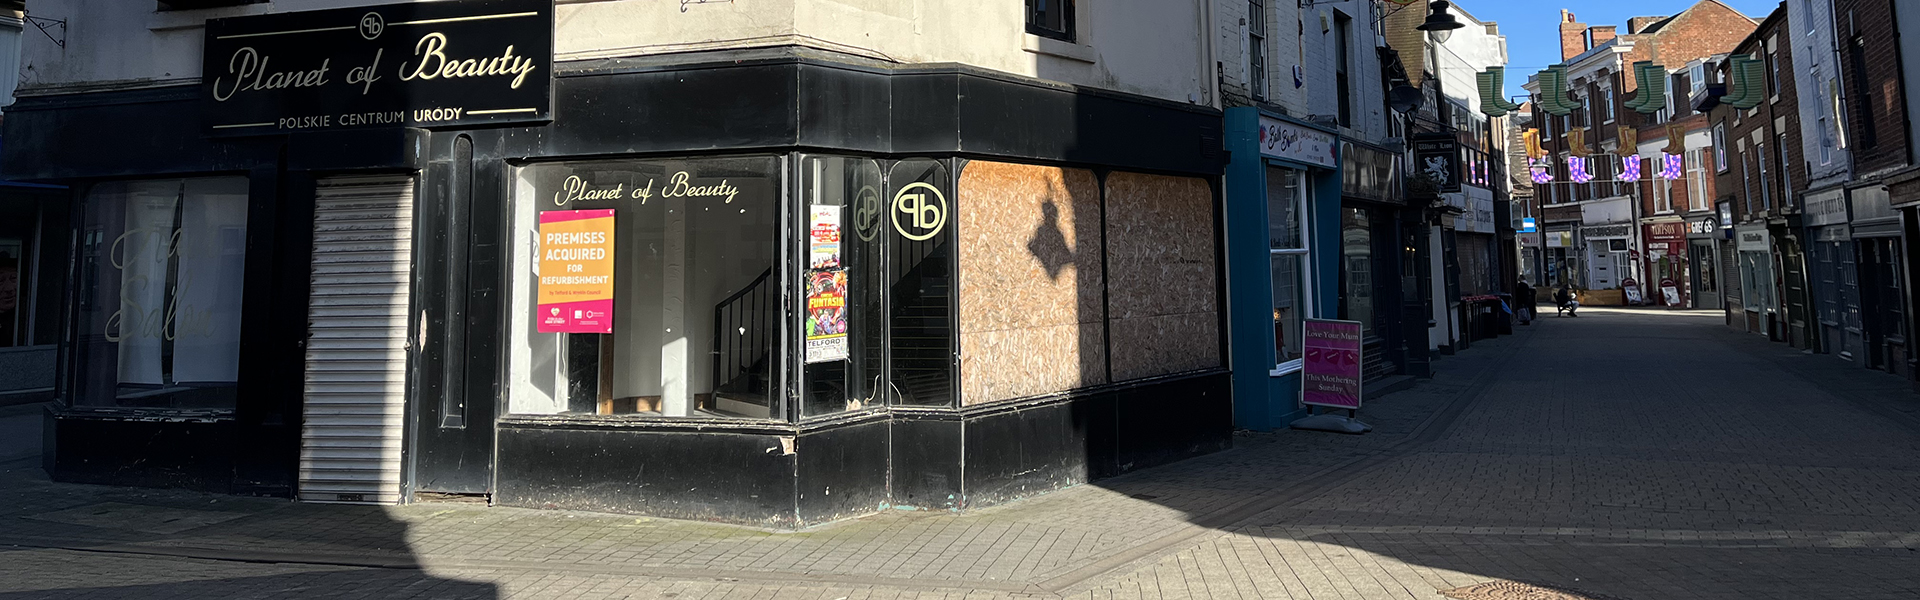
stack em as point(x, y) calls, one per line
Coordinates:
point(957, 262)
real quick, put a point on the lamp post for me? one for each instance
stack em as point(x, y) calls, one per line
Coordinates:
point(1440, 23)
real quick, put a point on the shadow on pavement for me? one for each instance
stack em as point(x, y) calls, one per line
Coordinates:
point(1621, 454)
point(89, 541)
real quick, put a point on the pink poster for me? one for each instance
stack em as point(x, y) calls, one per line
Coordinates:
point(576, 271)
point(1331, 375)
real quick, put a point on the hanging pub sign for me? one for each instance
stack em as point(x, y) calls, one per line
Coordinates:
point(417, 64)
point(1437, 158)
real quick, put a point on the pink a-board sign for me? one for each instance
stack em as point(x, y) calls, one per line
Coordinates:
point(1330, 375)
point(576, 271)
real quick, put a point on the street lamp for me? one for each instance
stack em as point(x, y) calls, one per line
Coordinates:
point(1440, 24)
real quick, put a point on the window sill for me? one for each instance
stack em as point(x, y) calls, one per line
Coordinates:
point(1287, 368)
point(1052, 47)
point(197, 17)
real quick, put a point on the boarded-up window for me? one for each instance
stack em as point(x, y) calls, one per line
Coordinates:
point(1163, 278)
point(1030, 281)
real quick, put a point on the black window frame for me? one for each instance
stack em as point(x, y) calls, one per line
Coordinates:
point(1036, 22)
point(1343, 55)
point(1257, 49)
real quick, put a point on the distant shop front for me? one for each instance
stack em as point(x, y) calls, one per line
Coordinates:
point(1285, 220)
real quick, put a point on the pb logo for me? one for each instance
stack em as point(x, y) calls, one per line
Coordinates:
point(922, 208)
point(866, 213)
point(372, 25)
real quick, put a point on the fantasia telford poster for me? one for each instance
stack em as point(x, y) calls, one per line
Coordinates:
point(576, 271)
point(826, 315)
point(1331, 375)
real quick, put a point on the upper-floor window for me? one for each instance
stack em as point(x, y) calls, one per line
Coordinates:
point(1050, 18)
point(1257, 48)
point(1786, 170)
point(1863, 90)
point(1773, 72)
point(1609, 108)
point(1720, 147)
point(1696, 179)
point(1662, 195)
point(1697, 78)
point(1342, 31)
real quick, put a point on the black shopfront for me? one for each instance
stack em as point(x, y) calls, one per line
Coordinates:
point(1382, 279)
point(386, 282)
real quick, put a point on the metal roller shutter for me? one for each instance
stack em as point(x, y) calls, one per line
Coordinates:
point(356, 359)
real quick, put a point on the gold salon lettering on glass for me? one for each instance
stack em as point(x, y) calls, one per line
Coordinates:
point(417, 64)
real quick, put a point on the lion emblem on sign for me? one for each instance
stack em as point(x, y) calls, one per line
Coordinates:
point(1437, 169)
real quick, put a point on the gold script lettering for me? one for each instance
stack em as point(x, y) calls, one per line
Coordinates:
point(576, 189)
point(434, 63)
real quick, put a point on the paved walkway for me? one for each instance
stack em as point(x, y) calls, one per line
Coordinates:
point(1623, 454)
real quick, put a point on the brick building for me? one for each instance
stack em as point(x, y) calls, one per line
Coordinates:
point(1612, 226)
point(1757, 125)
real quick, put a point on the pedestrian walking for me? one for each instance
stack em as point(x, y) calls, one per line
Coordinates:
point(1524, 302)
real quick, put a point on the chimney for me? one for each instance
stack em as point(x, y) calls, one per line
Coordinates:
point(1599, 34)
point(1573, 36)
point(1638, 24)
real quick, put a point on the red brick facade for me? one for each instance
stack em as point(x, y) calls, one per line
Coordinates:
point(1766, 165)
point(1703, 30)
point(1870, 66)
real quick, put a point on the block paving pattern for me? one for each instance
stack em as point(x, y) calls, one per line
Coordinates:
point(1624, 454)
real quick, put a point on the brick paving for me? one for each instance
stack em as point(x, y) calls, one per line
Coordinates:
point(1630, 454)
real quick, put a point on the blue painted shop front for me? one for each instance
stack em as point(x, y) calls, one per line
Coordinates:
point(1283, 255)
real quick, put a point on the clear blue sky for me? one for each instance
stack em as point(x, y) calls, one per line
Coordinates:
point(1532, 27)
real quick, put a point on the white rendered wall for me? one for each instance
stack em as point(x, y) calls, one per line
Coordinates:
point(1147, 47)
point(1810, 33)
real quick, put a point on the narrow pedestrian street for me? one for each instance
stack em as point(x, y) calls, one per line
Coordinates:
point(1629, 454)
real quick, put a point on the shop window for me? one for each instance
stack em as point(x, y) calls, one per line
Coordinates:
point(161, 265)
point(1287, 251)
point(1356, 262)
point(921, 281)
point(843, 316)
point(648, 288)
point(1705, 270)
point(1756, 279)
point(19, 222)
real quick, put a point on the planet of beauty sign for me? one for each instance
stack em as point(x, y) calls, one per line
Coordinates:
point(576, 271)
point(1330, 375)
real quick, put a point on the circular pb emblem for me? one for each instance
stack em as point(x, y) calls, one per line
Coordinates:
point(371, 25)
point(919, 211)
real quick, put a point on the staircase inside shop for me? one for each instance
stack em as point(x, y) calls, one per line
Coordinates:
point(743, 324)
point(923, 334)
